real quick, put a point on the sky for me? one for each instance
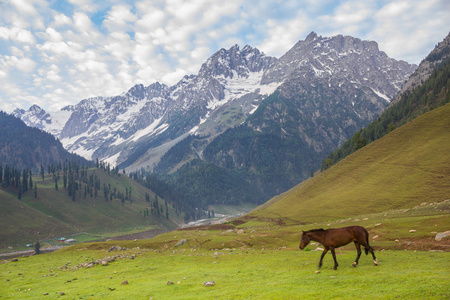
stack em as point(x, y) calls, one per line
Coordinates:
point(55, 53)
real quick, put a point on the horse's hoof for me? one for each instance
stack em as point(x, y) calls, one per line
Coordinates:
point(375, 262)
point(354, 264)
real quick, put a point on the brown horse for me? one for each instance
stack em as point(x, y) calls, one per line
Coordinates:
point(336, 237)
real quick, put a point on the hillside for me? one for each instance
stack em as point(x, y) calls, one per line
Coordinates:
point(405, 168)
point(22, 146)
point(53, 213)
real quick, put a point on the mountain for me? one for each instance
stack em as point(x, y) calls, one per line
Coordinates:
point(254, 115)
point(37, 117)
point(426, 89)
point(405, 164)
point(22, 146)
point(332, 87)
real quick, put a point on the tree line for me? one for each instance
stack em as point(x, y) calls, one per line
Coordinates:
point(73, 177)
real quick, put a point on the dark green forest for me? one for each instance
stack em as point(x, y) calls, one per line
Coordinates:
point(25, 147)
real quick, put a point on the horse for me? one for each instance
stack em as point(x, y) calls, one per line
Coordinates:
point(336, 237)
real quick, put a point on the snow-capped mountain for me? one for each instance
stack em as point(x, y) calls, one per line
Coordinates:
point(136, 128)
point(39, 118)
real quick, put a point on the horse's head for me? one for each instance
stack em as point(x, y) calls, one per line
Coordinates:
point(304, 241)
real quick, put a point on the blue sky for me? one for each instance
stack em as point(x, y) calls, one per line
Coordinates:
point(55, 53)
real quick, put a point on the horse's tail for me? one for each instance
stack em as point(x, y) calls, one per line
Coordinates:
point(367, 240)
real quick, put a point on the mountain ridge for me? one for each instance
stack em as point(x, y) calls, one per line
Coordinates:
point(334, 85)
point(148, 105)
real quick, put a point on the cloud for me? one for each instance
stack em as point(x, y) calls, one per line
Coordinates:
point(409, 29)
point(281, 37)
point(84, 5)
point(119, 18)
point(17, 34)
point(65, 51)
point(25, 6)
point(23, 64)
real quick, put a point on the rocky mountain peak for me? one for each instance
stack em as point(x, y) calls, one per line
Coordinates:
point(232, 62)
point(34, 114)
point(334, 60)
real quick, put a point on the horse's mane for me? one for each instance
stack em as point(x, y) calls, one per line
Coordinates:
point(315, 230)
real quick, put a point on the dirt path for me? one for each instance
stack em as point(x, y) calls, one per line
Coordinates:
point(15, 254)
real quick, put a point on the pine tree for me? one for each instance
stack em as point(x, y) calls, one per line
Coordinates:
point(30, 184)
point(37, 248)
point(65, 179)
point(19, 193)
point(6, 177)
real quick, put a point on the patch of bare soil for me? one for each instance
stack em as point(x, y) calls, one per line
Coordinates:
point(140, 235)
point(209, 227)
point(424, 244)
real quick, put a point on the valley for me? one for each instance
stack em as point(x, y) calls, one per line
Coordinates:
point(257, 255)
point(196, 223)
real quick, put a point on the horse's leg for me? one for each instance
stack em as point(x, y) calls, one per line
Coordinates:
point(358, 249)
point(321, 257)
point(334, 258)
point(367, 249)
point(375, 260)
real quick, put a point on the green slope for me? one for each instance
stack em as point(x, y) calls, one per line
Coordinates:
point(53, 213)
point(407, 167)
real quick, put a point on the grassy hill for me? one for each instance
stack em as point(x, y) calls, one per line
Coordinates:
point(409, 166)
point(53, 213)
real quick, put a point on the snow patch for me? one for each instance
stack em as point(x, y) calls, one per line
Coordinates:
point(381, 95)
point(149, 130)
point(112, 160)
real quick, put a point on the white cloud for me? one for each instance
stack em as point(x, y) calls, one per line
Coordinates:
point(82, 22)
point(17, 34)
point(119, 18)
point(409, 29)
point(48, 55)
point(281, 37)
point(25, 6)
point(61, 19)
point(23, 64)
point(84, 5)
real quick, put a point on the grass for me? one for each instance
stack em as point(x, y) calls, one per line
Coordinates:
point(53, 214)
point(237, 273)
point(260, 262)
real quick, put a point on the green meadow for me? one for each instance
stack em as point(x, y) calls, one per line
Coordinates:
point(238, 273)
